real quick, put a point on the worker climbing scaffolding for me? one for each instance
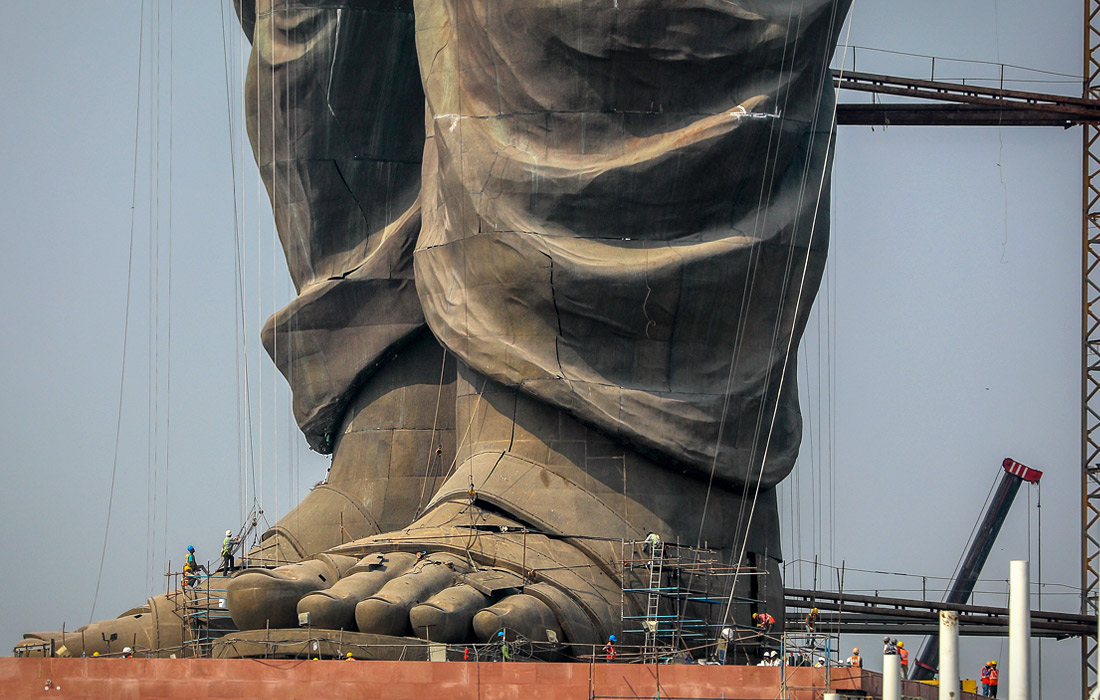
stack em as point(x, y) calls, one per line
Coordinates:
point(229, 544)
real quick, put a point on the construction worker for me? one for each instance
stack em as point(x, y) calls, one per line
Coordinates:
point(228, 545)
point(991, 687)
point(811, 620)
point(985, 680)
point(349, 657)
point(889, 646)
point(128, 653)
point(190, 577)
point(609, 650)
point(763, 621)
point(651, 543)
point(191, 561)
point(724, 640)
point(904, 654)
point(855, 661)
point(505, 650)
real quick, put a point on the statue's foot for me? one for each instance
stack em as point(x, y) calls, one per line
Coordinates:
point(537, 531)
point(460, 574)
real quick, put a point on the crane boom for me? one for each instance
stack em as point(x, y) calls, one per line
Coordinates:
point(1015, 474)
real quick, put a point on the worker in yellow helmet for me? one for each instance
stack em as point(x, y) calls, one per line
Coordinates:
point(763, 621)
point(190, 577)
point(903, 653)
point(811, 620)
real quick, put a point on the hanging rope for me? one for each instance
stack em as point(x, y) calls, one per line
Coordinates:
point(431, 442)
point(790, 339)
point(126, 322)
point(247, 457)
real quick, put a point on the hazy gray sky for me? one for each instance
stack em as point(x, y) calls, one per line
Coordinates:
point(946, 337)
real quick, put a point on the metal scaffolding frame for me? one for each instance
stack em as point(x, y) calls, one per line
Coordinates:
point(674, 587)
point(1090, 346)
point(202, 611)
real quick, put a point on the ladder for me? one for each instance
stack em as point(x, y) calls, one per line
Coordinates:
point(652, 620)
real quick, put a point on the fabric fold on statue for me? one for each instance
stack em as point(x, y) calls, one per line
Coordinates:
point(334, 103)
point(336, 333)
point(626, 212)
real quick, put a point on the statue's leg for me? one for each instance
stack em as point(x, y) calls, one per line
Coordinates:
point(334, 109)
point(391, 453)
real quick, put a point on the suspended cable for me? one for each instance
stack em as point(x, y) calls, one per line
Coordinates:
point(150, 438)
point(798, 300)
point(168, 369)
point(746, 296)
point(126, 322)
point(431, 444)
point(240, 274)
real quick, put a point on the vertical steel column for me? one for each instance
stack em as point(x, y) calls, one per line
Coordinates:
point(1090, 351)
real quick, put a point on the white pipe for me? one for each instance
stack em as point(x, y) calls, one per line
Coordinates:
point(891, 677)
point(949, 655)
point(1019, 631)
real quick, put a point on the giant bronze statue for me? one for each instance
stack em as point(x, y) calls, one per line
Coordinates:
point(553, 260)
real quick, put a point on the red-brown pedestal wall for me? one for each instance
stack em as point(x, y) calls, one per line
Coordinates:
point(194, 679)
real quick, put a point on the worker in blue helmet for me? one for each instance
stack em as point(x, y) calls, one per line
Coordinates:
point(609, 650)
point(505, 650)
point(191, 562)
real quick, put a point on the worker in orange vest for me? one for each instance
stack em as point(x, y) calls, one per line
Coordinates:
point(764, 621)
point(855, 660)
point(991, 688)
point(190, 578)
point(904, 654)
point(609, 649)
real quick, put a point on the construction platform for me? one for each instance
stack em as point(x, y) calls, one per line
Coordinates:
point(276, 679)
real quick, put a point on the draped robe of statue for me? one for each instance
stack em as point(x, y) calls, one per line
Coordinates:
point(624, 210)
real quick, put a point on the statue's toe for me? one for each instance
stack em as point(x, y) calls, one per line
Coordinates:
point(447, 615)
point(335, 608)
point(387, 612)
point(523, 613)
point(262, 598)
